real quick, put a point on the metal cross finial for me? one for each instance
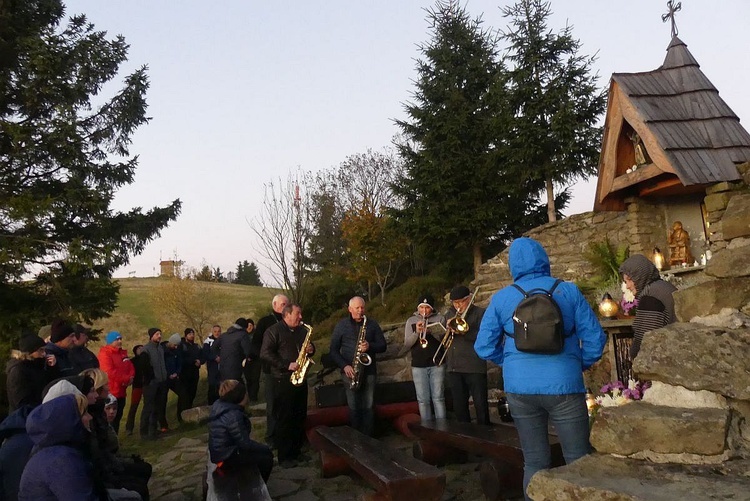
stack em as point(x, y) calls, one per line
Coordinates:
point(673, 8)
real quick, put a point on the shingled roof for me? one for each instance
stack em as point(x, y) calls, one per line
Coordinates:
point(699, 133)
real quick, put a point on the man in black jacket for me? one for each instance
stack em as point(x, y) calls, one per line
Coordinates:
point(344, 343)
point(467, 373)
point(80, 356)
point(212, 364)
point(278, 303)
point(232, 348)
point(192, 359)
point(281, 348)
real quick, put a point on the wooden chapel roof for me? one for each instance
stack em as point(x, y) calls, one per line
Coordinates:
point(689, 130)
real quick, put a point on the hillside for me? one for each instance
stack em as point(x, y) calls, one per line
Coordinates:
point(136, 311)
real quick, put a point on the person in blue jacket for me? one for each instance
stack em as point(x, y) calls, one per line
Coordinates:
point(59, 467)
point(14, 452)
point(543, 388)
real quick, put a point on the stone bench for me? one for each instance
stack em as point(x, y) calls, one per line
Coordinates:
point(442, 440)
point(395, 475)
point(235, 485)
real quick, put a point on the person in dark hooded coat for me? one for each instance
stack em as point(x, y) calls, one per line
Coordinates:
point(15, 451)
point(59, 468)
point(655, 302)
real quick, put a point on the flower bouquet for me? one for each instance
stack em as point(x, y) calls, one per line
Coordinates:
point(628, 303)
point(616, 393)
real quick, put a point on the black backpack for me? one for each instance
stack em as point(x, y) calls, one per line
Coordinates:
point(538, 322)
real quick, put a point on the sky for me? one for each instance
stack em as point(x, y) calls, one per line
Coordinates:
point(242, 92)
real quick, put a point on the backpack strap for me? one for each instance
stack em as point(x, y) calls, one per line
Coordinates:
point(525, 294)
point(554, 286)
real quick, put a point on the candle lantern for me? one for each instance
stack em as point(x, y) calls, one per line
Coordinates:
point(658, 259)
point(608, 307)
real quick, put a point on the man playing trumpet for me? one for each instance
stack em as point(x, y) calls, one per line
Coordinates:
point(467, 373)
point(422, 335)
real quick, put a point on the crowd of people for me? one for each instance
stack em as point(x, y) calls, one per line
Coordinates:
point(67, 403)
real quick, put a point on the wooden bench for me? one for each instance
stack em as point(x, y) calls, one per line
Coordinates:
point(441, 441)
point(238, 485)
point(394, 475)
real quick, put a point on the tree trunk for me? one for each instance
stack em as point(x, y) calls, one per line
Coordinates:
point(551, 212)
point(477, 258)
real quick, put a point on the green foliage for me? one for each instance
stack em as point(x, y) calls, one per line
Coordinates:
point(455, 193)
point(554, 100)
point(61, 162)
point(247, 274)
point(606, 259)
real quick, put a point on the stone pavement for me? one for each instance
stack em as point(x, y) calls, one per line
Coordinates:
point(178, 475)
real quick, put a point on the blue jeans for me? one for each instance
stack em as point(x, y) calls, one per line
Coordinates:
point(429, 383)
point(360, 402)
point(531, 415)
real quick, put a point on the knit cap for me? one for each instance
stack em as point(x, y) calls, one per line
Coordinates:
point(175, 339)
point(30, 343)
point(113, 336)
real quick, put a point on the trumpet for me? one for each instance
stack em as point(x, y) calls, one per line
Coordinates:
point(423, 334)
point(456, 325)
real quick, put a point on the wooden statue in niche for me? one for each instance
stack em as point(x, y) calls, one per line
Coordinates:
point(679, 245)
point(639, 151)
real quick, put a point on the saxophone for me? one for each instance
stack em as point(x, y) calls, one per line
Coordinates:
point(303, 361)
point(360, 358)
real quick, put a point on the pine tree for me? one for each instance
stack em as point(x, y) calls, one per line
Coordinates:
point(455, 193)
point(555, 100)
point(62, 158)
point(247, 274)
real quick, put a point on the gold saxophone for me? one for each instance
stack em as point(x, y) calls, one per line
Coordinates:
point(360, 358)
point(303, 360)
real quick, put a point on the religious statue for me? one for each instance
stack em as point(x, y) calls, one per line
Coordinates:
point(679, 245)
point(641, 156)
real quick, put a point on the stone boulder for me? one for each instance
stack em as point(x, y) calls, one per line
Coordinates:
point(698, 358)
point(600, 477)
point(196, 414)
point(730, 262)
point(711, 297)
point(676, 396)
point(641, 427)
point(735, 222)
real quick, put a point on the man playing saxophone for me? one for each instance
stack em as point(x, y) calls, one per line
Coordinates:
point(281, 348)
point(467, 373)
point(358, 335)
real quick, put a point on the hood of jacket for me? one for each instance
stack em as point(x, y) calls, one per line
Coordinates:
point(220, 407)
point(641, 271)
point(528, 259)
point(15, 422)
point(56, 422)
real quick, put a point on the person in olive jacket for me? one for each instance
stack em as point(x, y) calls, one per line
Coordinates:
point(467, 373)
point(229, 443)
point(281, 347)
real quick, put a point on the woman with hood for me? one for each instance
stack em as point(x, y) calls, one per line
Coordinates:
point(423, 342)
point(654, 295)
point(543, 388)
point(59, 468)
point(26, 377)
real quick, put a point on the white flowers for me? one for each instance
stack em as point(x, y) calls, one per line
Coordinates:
point(627, 295)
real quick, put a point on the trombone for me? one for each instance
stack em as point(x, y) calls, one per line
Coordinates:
point(456, 325)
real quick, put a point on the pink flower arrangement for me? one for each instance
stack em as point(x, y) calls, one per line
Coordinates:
point(617, 393)
point(628, 303)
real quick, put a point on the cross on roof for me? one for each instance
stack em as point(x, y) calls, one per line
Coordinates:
point(669, 16)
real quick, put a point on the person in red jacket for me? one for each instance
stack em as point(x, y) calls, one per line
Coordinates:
point(115, 362)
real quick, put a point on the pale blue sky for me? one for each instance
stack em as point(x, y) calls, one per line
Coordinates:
point(245, 91)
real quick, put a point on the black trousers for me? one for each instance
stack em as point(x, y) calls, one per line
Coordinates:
point(120, 409)
point(463, 385)
point(252, 379)
point(154, 408)
point(260, 457)
point(290, 411)
point(186, 390)
point(269, 384)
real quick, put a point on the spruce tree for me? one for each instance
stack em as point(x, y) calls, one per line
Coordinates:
point(64, 152)
point(555, 102)
point(454, 192)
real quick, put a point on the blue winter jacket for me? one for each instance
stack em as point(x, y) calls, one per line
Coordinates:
point(58, 468)
point(229, 430)
point(528, 373)
point(15, 451)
